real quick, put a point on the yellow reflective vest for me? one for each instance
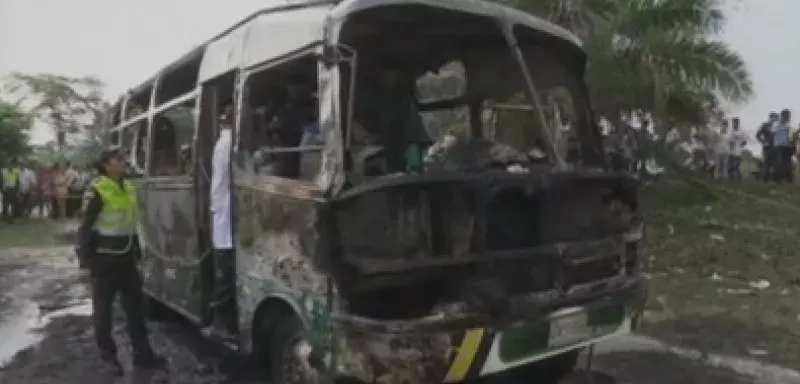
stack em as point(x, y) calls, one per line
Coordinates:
point(10, 177)
point(118, 217)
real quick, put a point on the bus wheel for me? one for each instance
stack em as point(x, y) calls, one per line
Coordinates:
point(290, 352)
point(548, 371)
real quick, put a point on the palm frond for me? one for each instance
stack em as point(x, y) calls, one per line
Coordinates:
point(690, 16)
point(704, 64)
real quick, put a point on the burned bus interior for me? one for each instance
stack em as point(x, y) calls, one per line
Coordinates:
point(279, 99)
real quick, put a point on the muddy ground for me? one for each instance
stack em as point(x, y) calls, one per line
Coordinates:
point(46, 338)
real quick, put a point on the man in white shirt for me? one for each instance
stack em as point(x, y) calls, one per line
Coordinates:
point(27, 186)
point(223, 303)
point(738, 141)
point(722, 150)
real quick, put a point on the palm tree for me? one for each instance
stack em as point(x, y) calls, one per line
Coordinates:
point(659, 56)
point(67, 104)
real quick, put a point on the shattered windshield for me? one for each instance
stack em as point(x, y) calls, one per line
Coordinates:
point(509, 128)
point(462, 104)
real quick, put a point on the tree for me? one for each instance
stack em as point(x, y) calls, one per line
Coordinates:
point(67, 104)
point(661, 57)
point(14, 127)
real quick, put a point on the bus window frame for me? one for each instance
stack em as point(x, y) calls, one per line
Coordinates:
point(186, 98)
point(242, 107)
point(130, 148)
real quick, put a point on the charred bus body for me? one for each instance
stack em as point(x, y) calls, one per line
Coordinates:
point(493, 241)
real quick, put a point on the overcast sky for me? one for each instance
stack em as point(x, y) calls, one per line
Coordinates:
point(125, 41)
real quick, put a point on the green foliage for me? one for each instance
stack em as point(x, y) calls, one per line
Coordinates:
point(67, 104)
point(707, 241)
point(15, 125)
point(661, 56)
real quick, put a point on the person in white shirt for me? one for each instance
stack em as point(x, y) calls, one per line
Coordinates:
point(738, 141)
point(27, 187)
point(722, 150)
point(223, 303)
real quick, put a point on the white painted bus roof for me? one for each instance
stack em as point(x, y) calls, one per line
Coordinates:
point(273, 32)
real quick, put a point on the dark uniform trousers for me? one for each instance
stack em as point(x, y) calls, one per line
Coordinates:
point(10, 203)
point(112, 274)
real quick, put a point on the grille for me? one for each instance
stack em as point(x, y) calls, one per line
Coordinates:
point(591, 271)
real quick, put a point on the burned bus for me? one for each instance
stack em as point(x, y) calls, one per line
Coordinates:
point(420, 193)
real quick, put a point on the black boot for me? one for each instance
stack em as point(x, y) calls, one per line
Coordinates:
point(111, 365)
point(149, 360)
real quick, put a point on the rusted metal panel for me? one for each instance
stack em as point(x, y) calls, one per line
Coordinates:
point(277, 239)
point(390, 359)
point(169, 238)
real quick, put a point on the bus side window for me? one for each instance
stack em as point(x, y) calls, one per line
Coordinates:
point(114, 138)
point(139, 146)
point(285, 120)
point(173, 131)
point(127, 137)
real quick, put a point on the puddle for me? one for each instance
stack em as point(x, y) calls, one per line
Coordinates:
point(23, 329)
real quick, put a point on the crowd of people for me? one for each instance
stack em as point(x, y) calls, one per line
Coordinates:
point(720, 151)
point(716, 150)
point(778, 147)
point(47, 192)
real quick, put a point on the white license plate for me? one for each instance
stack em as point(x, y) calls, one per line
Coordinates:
point(569, 329)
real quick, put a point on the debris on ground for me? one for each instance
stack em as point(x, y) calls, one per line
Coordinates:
point(760, 284)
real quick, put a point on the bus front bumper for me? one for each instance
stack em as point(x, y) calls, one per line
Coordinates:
point(451, 347)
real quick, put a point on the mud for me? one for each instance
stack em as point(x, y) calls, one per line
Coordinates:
point(47, 334)
point(43, 309)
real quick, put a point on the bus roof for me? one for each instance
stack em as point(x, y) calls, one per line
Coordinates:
point(485, 8)
point(304, 24)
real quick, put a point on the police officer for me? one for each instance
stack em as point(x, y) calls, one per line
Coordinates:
point(108, 250)
point(9, 186)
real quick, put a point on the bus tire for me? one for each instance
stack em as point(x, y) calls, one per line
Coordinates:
point(290, 339)
point(549, 371)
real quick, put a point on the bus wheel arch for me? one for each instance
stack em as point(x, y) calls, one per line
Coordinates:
point(269, 313)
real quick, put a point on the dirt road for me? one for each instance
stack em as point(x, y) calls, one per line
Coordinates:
point(46, 338)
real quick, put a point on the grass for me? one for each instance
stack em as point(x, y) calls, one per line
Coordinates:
point(723, 265)
point(27, 233)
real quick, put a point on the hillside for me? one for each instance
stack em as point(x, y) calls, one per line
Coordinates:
point(723, 266)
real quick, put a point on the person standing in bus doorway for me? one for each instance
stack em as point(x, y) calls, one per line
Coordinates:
point(223, 302)
point(108, 250)
point(9, 185)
